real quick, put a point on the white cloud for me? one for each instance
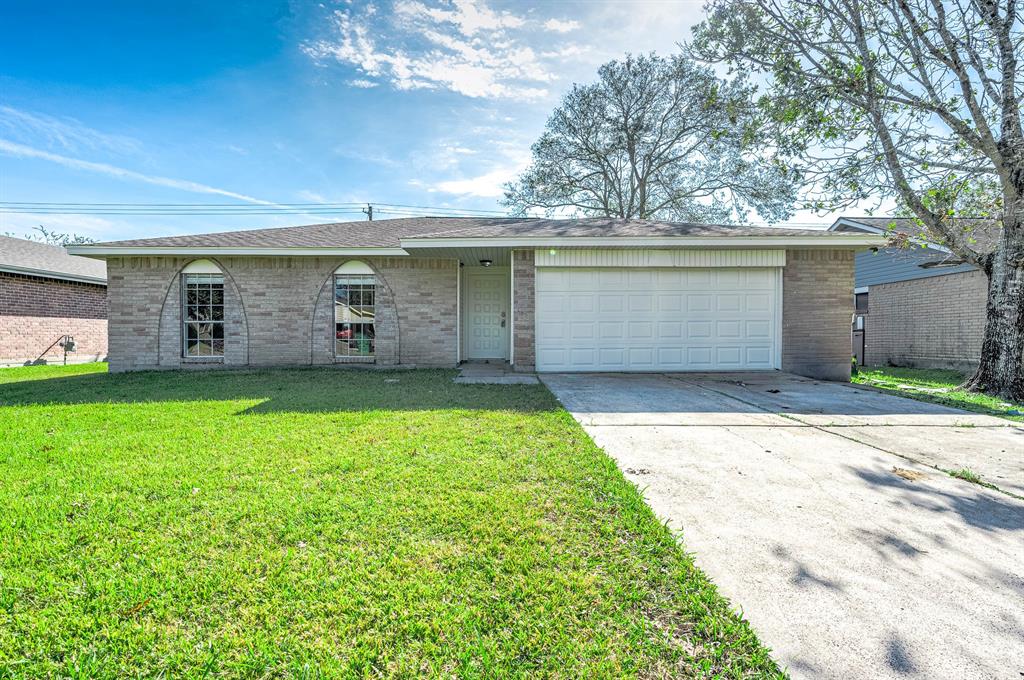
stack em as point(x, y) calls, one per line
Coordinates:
point(487, 185)
point(65, 133)
point(465, 47)
point(21, 151)
point(362, 83)
point(560, 26)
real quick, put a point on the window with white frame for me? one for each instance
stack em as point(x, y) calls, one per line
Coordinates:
point(202, 310)
point(355, 292)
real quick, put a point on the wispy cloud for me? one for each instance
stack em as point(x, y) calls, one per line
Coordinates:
point(559, 26)
point(63, 133)
point(464, 46)
point(22, 151)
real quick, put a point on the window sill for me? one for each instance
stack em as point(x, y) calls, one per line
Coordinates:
point(355, 360)
point(202, 360)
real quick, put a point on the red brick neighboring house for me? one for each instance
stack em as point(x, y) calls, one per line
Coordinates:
point(45, 295)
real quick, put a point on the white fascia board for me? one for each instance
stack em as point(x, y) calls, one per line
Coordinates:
point(841, 240)
point(101, 252)
point(847, 222)
point(46, 274)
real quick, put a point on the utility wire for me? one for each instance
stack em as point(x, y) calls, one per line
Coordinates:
point(212, 209)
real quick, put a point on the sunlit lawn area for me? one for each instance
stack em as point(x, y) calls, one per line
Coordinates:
point(937, 386)
point(332, 523)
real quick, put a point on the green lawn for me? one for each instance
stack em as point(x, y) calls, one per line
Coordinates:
point(937, 386)
point(316, 523)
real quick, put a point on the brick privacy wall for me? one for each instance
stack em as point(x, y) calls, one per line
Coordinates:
point(524, 277)
point(817, 309)
point(35, 311)
point(937, 322)
point(279, 311)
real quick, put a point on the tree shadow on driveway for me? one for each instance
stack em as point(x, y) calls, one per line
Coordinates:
point(977, 507)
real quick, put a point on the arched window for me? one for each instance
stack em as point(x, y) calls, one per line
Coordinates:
point(202, 309)
point(355, 292)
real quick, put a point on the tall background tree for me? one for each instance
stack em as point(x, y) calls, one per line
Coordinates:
point(653, 138)
point(913, 99)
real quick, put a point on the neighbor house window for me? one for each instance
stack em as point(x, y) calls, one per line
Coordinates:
point(355, 293)
point(202, 313)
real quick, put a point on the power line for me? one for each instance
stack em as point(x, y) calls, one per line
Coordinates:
point(237, 209)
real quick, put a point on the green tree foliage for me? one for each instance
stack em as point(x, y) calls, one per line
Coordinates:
point(918, 100)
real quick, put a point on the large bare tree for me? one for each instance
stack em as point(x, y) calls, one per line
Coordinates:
point(654, 138)
point(913, 99)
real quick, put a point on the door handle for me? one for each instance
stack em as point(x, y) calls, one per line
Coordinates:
point(502, 323)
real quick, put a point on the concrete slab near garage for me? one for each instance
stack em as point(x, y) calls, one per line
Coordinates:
point(818, 510)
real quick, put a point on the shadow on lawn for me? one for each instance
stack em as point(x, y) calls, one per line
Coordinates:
point(284, 390)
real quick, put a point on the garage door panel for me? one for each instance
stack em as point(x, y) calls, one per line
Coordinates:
point(655, 319)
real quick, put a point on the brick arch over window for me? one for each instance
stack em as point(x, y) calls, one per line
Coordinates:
point(236, 323)
point(385, 324)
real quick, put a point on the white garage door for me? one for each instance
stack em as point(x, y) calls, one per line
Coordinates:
point(657, 319)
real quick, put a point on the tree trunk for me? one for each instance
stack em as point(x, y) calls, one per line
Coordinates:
point(1001, 370)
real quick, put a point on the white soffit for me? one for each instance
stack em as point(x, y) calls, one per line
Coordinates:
point(660, 258)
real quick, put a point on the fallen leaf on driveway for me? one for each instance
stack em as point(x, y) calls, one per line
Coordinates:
point(912, 475)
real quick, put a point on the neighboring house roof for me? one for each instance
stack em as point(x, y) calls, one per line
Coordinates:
point(396, 236)
point(920, 261)
point(22, 256)
point(984, 233)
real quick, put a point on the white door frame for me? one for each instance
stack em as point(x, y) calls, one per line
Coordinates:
point(500, 278)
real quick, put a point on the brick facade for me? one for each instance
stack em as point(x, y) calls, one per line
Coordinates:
point(935, 322)
point(524, 300)
point(279, 311)
point(817, 309)
point(36, 311)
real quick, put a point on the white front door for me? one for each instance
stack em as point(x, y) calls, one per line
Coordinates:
point(486, 292)
point(681, 319)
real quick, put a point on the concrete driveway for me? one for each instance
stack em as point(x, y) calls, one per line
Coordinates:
point(818, 510)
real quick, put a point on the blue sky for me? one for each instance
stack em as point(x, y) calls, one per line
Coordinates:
point(423, 102)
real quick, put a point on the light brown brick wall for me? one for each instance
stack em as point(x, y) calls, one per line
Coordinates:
point(523, 320)
point(37, 311)
point(936, 322)
point(279, 311)
point(817, 308)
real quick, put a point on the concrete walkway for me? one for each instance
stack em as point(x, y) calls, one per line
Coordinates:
point(816, 509)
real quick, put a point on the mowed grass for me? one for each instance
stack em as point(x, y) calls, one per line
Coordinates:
point(939, 387)
point(321, 523)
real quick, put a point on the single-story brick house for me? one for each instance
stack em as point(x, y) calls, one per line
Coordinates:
point(45, 295)
point(547, 295)
point(919, 306)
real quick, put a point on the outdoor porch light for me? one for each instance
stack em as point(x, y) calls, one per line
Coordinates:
point(486, 263)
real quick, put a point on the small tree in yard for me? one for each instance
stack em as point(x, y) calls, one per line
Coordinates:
point(654, 138)
point(914, 99)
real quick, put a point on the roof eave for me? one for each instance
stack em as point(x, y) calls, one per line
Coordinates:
point(855, 241)
point(102, 252)
point(48, 274)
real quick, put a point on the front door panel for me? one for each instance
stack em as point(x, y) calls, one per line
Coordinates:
point(487, 314)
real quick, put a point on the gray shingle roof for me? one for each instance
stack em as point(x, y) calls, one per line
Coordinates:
point(388, 233)
point(41, 259)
